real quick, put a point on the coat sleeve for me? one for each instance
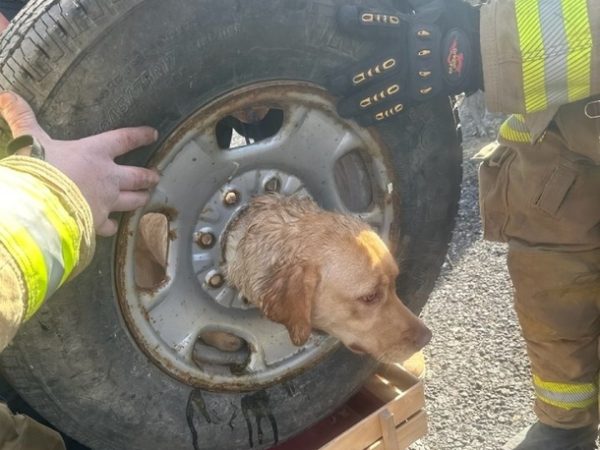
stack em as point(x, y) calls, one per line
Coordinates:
point(46, 237)
point(539, 54)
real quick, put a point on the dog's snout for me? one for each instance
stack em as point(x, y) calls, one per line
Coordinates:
point(422, 337)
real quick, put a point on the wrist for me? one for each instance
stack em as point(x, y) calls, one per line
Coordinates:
point(26, 145)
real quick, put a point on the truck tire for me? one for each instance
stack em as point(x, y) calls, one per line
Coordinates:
point(87, 66)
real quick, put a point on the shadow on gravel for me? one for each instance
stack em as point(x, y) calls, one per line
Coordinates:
point(479, 128)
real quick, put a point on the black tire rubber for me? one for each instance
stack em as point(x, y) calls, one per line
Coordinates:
point(91, 65)
point(10, 8)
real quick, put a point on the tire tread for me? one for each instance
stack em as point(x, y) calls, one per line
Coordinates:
point(43, 25)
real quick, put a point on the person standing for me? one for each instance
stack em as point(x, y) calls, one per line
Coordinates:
point(538, 60)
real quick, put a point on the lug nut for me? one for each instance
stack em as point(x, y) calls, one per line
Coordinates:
point(273, 185)
point(231, 198)
point(205, 239)
point(215, 280)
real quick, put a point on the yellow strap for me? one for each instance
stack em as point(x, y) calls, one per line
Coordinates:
point(579, 39)
point(532, 47)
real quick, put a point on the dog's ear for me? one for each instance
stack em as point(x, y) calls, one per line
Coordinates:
point(289, 298)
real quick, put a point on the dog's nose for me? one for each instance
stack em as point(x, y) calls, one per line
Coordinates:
point(422, 337)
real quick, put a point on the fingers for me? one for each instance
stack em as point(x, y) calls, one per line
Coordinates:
point(130, 200)
point(389, 92)
point(126, 201)
point(108, 228)
point(369, 71)
point(19, 116)
point(133, 178)
point(385, 112)
point(123, 140)
point(373, 90)
point(369, 22)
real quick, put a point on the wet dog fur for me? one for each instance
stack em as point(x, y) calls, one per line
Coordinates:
point(307, 268)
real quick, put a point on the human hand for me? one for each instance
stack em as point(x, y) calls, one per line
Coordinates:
point(89, 162)
point(432, 51)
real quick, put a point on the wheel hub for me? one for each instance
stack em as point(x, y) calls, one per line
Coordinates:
point(217, 214)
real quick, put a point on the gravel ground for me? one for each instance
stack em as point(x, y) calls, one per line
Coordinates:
point(478, 390)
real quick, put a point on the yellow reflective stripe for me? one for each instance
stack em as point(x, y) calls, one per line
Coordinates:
point(566, 395)
point(556, 48)
point(514, 129)
point(532, 49)
point(519, 118)
point(509, 134)
point(30, 260)
point(69, 233)
point(64, 225)
point(567, 388)
point(39, 232)
point(69, 238)
point(579, 40)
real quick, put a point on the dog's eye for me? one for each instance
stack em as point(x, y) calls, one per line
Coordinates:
point(370, 299)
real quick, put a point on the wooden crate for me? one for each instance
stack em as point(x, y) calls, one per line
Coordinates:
point(387, 414)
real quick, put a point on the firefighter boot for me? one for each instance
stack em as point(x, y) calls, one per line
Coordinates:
point(544, 437)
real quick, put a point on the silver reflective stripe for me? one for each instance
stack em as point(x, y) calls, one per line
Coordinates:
point(555, 63)
point(572, 398)
point(566, 395)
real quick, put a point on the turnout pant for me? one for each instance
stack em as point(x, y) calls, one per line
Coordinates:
point(19, 432)
point(544, 200)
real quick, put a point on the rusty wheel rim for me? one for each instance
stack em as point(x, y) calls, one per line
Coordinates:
point(203, 185)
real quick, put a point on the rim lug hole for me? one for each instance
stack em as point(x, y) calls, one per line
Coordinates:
point(215, 279)
point(205, 239)
point(273, 185)
point(231, 198)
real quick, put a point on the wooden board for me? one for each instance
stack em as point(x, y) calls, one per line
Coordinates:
point(400, 420)
point(386, 414)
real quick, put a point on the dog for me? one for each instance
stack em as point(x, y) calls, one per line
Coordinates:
point(307, 268)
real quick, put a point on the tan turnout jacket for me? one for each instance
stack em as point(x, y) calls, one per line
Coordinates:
point(538, 55)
